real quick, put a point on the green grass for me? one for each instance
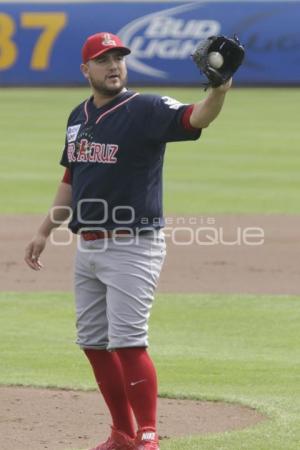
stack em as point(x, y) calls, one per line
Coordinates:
point(236, 348)
point(247, 161)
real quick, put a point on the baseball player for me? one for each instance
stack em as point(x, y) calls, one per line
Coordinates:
point(113, 158)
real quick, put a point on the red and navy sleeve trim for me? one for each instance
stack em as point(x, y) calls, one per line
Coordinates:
point(67, 177)
point(185, 119)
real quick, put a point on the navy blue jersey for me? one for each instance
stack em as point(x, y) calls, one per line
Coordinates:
point(115, 156)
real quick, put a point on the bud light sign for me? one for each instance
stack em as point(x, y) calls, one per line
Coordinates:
point(162, 41)
point(43, 41)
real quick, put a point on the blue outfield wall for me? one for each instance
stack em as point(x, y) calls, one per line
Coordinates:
point(40, 43)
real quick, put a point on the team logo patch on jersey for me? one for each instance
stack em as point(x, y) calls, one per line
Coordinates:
point(172, 103)
point(72, 133)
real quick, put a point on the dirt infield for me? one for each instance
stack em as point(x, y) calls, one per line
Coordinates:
point(37, 419)
point(202, 257)
point(206, 255)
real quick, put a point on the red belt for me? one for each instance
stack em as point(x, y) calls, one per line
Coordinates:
point(93, 235)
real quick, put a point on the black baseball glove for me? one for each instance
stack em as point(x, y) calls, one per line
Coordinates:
point(232, 53)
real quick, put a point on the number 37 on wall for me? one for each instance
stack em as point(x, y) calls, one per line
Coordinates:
point(50, 24)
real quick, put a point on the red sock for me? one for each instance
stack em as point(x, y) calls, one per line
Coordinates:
point(141, 383)
point(110, 379)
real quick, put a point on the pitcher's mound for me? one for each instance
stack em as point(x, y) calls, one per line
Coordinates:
point(37, 419)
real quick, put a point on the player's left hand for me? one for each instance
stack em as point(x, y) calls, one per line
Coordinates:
point(218, 58)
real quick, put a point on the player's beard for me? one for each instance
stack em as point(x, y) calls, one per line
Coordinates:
point(101, 88)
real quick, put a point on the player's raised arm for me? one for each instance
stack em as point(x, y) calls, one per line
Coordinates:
point(59, 212)
point(205, 111)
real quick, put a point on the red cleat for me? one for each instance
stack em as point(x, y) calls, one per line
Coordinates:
point(146, 440)
point(117, 441)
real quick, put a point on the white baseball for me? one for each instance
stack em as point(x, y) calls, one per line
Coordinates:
point(215, 60)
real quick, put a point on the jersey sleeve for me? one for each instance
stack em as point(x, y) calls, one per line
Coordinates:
point(64, 157)
point(67, 177)
point(168, 120)
point(71, 133)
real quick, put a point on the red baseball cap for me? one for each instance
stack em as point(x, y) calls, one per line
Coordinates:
point(100, 43)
